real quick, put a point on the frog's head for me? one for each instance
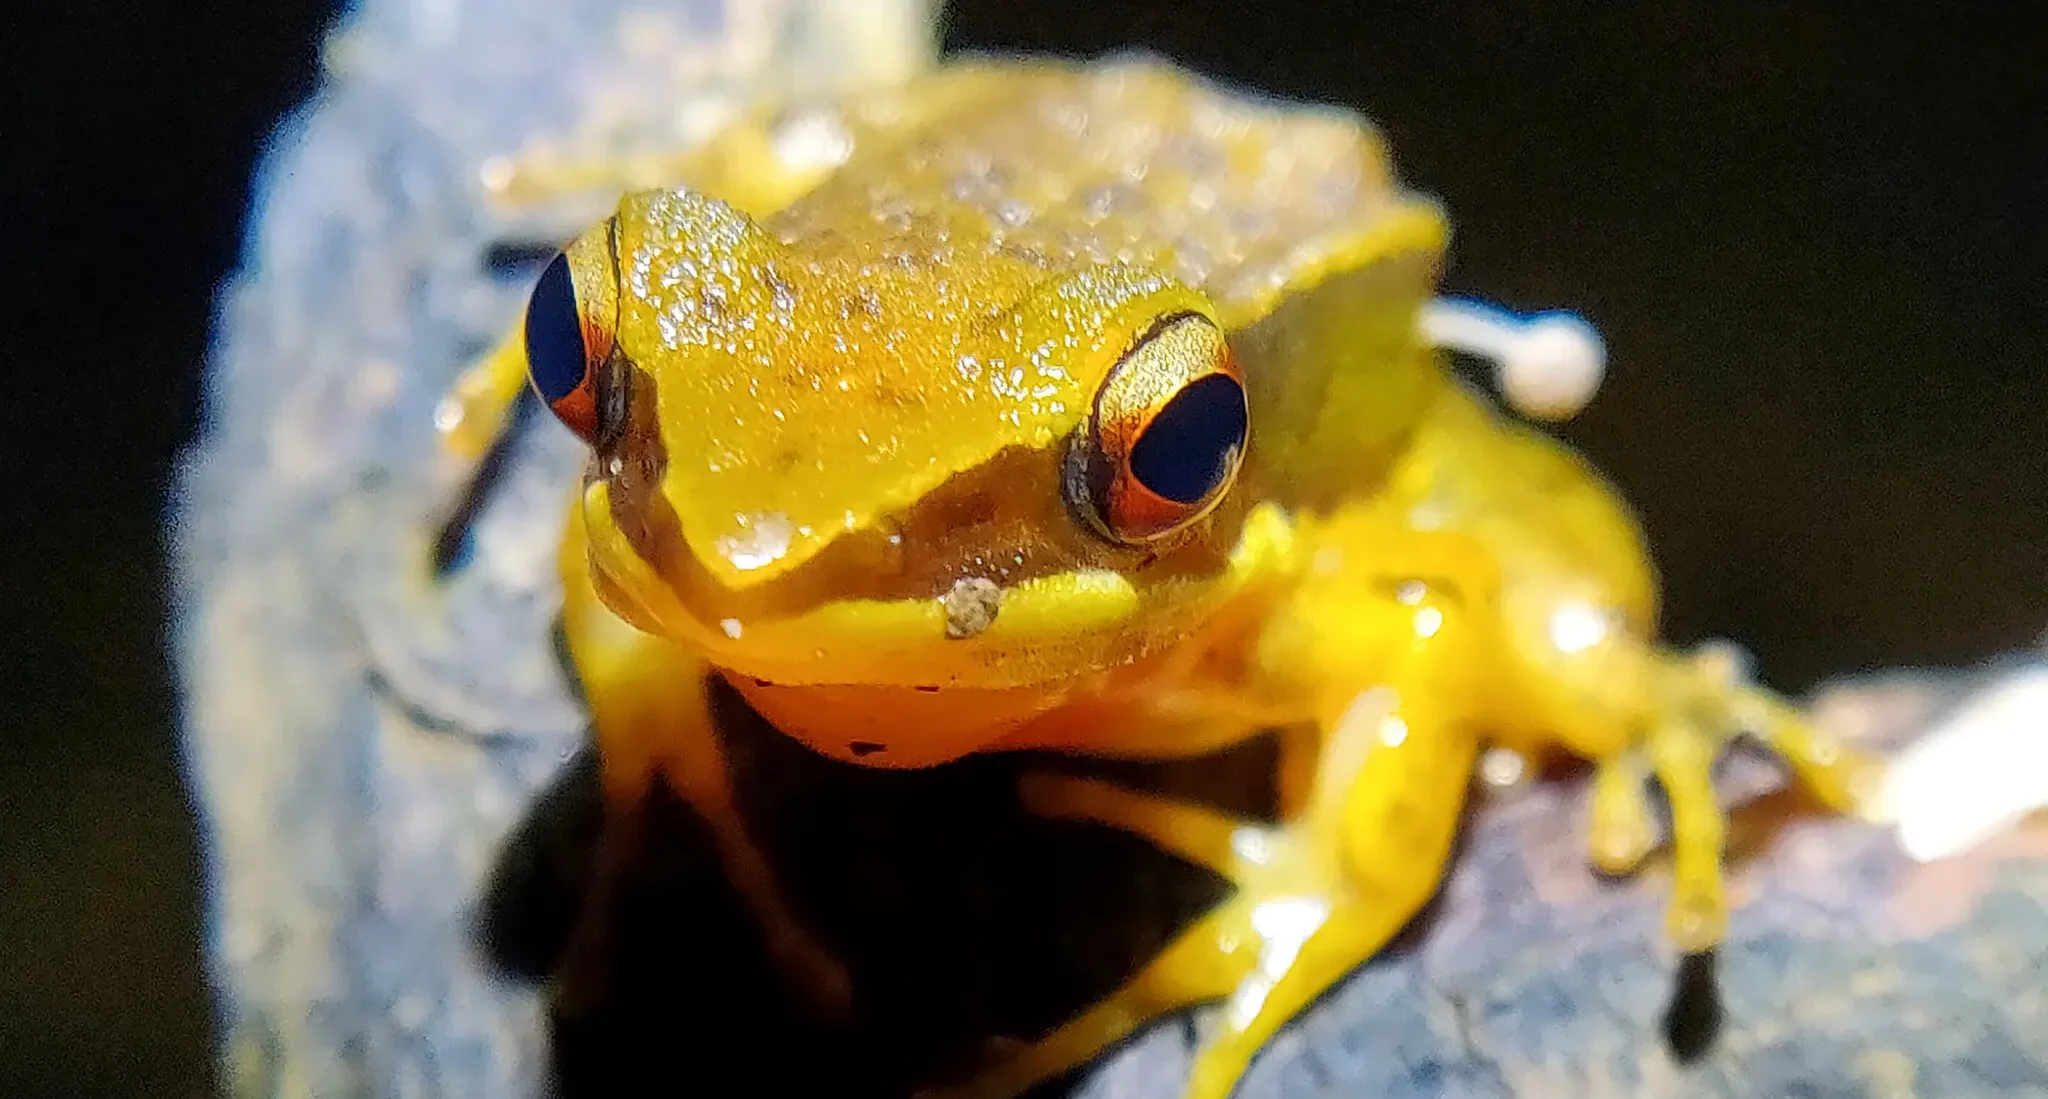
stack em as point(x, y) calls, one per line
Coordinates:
point(908, 467)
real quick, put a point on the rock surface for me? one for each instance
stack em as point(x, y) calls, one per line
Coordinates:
point(396, 818)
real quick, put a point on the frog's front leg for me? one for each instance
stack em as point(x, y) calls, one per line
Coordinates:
point(1319, 894)
point(651, 712)
point(1393, 767)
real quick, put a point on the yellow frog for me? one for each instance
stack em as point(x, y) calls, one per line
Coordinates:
point(1091, 407)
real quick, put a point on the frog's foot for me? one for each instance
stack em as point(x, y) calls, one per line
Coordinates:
point(1205, 962)
point(651, 714)
point(475, 411)
point(472, 419)
point(1315, 898)
point(811, 969)
point(1706, 702)
point(581, 981)
point(582, 976)
point(472, 422)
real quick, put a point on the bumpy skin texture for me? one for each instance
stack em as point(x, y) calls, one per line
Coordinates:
point(362, 747)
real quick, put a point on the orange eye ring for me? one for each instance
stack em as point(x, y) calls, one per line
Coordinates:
point(569, 325)
point(1166, 436)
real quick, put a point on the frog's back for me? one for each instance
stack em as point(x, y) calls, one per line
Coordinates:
point(1057, 165)
point(918, 221)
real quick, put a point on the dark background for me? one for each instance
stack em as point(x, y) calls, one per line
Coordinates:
point(1812, 237)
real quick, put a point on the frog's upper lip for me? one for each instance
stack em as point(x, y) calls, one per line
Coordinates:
point(1072, 619)
point(840, 619)
point(1040, 629)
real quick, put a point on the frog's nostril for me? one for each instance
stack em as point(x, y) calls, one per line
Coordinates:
point(970, 509)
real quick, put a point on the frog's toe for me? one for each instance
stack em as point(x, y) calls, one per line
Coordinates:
point(477, 408)
point(1683, 755)
point(1620, 832)
point(543, 173)
point(1205, 962)
point(1840, 777)
point(1710, 701)
point(1201, 835)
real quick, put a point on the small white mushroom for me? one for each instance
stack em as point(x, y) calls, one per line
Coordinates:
point(1547, 365)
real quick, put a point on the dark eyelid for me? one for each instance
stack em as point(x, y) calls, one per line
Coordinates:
point(614, 376)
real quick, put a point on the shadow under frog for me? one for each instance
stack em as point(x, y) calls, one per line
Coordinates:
point(963, 919)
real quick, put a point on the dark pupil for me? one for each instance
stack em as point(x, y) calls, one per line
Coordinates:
point(554, 334)
point(1186, 450)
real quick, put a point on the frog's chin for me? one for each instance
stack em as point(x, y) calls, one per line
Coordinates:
point(979, 635)
point(920, 682)
point(880, 725)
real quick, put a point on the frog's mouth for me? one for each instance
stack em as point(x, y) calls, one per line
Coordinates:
point(977, 585)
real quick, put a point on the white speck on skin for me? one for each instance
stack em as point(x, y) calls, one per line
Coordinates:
point(732, 627)
point(762, 540)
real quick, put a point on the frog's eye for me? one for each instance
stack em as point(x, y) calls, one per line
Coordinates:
point(569, 322)
point(1166, 437)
